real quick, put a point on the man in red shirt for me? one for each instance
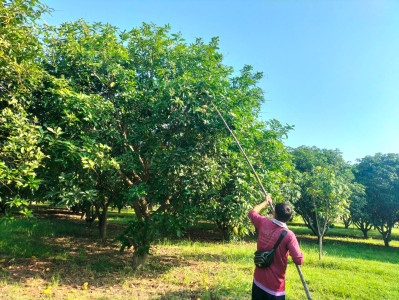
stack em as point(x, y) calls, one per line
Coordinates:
point(269, 282)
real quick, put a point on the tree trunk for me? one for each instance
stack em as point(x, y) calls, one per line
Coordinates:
point(90, 213)
point(225, 233)
point(347, 221)
point(320, 246)
point(224, 230)
point(102, 225)
point(139, 260)
point(308, 223)
point(364, 227)
point(142, 233)
point(346, 224)
point(386, 236)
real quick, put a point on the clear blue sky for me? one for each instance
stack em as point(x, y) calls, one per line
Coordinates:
point(331, 68)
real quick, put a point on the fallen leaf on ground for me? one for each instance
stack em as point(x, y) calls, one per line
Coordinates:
point(84, 286)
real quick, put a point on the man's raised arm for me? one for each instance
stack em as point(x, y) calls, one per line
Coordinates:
point(257, 208)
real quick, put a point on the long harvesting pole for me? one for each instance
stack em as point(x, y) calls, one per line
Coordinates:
point(263, 190)
point(242, 151)
point(305, 286)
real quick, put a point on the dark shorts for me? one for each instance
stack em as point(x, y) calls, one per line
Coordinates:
point(259, 294)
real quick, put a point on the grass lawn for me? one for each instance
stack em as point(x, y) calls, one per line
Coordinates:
point(53, 256)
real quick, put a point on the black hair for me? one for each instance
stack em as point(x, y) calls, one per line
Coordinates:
point(283, 212)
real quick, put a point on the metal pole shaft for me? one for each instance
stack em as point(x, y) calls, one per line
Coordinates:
point(305, 286)
point(263, 189)
point(242, 151)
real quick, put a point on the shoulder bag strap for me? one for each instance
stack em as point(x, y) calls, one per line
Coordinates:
point(282, 235)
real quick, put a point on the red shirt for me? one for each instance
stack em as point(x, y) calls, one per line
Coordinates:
point(271, 279)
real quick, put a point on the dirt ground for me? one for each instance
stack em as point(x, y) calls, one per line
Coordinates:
point(86, 268)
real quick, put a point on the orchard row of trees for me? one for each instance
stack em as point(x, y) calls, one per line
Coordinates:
point(93, 117)
point(365, 194)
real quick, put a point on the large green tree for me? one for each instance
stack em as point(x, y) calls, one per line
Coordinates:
point(20, 76)
point(328, 195)
point(380, 176)
point(360, 212)
point(80, 170)
point(325, 180)
point(144, 98)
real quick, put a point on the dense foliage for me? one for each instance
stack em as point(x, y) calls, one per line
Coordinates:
point(20, 76)
point(380, 176)
point(130, 123)
point(360, 213)
point(325, 181)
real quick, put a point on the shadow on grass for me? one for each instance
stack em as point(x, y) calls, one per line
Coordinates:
point(332, 248)
point(104, 268)
point(338, 231)
point(63, 250)
point(353, 249)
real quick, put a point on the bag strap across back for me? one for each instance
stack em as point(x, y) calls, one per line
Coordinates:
point(282, 235)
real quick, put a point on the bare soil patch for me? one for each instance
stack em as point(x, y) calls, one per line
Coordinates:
point(76, 260)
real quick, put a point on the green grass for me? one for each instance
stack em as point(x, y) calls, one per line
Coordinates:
point(343, 273)
point(121, 218)
point(62, 253)
point(339, 231)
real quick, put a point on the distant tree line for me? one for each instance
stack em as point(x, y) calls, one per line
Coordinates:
point(365, 194)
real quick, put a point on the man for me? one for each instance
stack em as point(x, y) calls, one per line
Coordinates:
point(269, 282)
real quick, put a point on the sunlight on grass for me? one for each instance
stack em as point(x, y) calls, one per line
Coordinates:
point(64, 254)
point(228, 269)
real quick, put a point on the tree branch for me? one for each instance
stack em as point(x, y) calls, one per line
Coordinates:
point(164, 205)
point(125, 178)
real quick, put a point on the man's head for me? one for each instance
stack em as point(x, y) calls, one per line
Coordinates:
point(283, 212)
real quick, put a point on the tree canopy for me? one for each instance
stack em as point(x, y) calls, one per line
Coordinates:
point(380, 176)
point(325, 180)
point(20, 76)
point(129, 121)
